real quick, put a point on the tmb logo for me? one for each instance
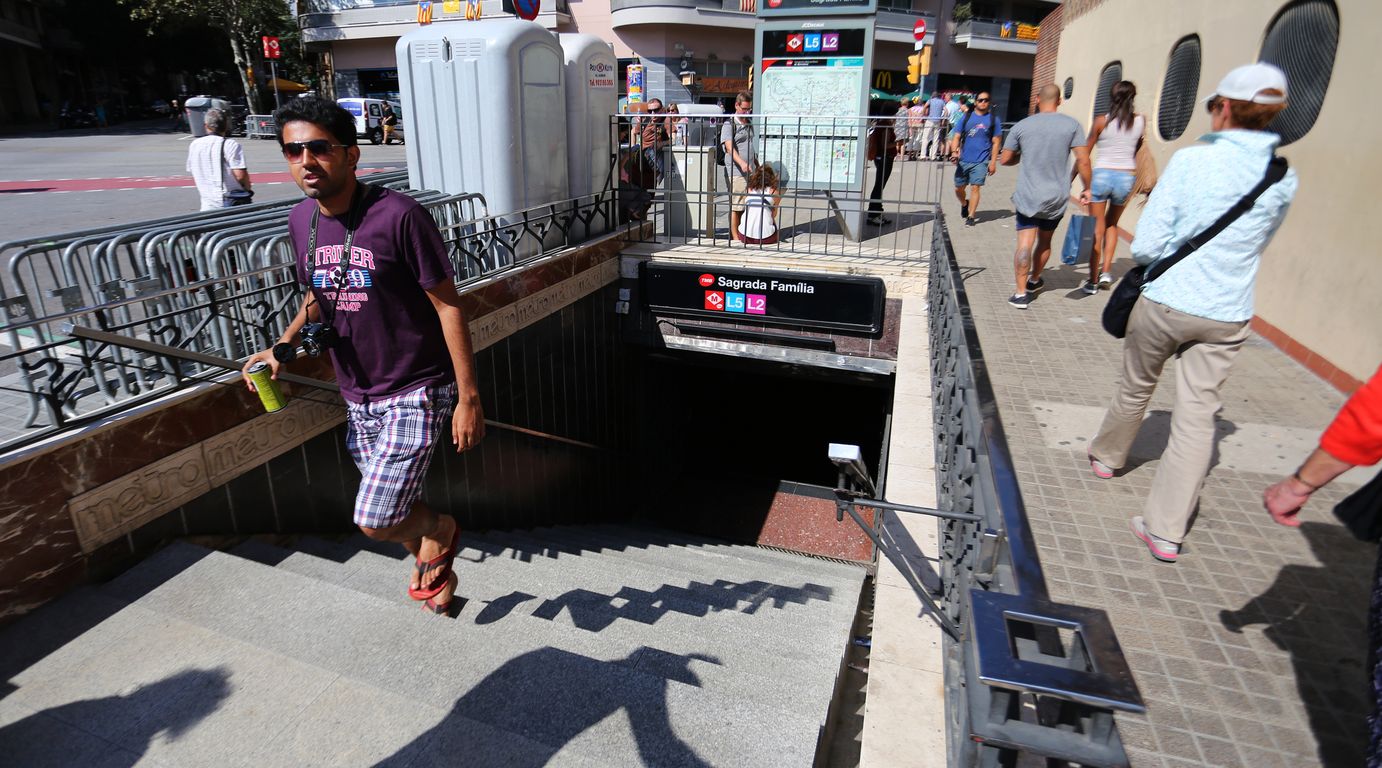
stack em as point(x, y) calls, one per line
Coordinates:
point(707, 280)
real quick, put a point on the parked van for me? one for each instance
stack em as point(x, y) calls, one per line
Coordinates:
point(368, 113)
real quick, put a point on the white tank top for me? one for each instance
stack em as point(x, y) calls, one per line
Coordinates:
point(1117, 145)
point(757, 221)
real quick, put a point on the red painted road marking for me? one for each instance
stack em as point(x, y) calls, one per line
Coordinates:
point(142, 182)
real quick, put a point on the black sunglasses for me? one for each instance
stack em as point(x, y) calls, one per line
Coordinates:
point(981, 101)
point(318, 147)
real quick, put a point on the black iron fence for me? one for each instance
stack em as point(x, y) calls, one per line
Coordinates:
point(850, 187)
point(1025, 675)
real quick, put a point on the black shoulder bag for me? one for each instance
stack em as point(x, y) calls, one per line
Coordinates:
point(233, 197)
point(1125, 294)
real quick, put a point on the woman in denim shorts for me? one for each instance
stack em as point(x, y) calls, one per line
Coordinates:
point(1114, 140)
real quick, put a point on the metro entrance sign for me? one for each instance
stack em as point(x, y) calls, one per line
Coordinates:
point(798, 299)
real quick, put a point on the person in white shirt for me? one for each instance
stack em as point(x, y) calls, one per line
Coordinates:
point(217, 165)
point(758, 224)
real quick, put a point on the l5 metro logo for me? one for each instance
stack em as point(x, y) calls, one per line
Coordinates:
point(707, 280)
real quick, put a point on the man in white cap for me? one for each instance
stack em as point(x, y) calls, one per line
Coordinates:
point(1198, 309)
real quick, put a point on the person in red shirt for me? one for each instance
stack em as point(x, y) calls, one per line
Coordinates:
point(1353, 439)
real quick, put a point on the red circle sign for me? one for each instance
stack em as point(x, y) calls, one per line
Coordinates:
point(707, 280)
point(919, 29)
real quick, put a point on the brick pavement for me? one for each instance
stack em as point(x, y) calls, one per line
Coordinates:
point(1250, 650)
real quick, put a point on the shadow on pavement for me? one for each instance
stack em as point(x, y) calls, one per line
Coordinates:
point(1317, 614)
point(62, 735)
point(550, 696)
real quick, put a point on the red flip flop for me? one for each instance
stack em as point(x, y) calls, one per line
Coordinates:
point(443, 561)
point(432, 606)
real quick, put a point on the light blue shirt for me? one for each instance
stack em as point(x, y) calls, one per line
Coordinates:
point(1199, 184)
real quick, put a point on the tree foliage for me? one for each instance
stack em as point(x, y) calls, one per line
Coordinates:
point(242, 22)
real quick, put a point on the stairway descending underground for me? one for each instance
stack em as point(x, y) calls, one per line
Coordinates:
point(580, 645)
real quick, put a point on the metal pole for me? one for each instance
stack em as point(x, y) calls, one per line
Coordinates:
point(273, 71)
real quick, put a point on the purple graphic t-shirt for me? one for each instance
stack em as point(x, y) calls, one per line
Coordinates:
point(391, 338)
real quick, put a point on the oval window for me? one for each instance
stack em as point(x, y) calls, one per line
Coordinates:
point(1110, 76)
point(1179, 88)
point(1302, 40)
point(1069, 87)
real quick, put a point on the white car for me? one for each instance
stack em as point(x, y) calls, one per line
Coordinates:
point(368, 113)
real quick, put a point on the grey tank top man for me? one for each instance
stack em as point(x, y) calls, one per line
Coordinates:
point(1044, 142)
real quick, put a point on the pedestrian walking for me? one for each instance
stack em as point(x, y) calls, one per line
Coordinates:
point(389, 121)
point(880, 151)
point(1115, 139)
point(974, 145)
point(936, 128)
point(1198, 311)
point(916, 127)
point(217, 165)
point(901, 129)
point(1353, 439)
point(382, 302)
point(1043, 144)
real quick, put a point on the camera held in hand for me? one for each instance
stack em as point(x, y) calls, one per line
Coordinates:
point(318, 337)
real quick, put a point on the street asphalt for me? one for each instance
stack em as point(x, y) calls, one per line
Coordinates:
point(65, 181)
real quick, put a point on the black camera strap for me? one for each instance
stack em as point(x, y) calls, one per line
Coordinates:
point(352, 223)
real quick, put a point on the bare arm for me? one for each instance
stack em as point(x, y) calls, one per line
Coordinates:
point(307, 311)
point(1284, 499)
point(1094, 131)
point(1009, 157)
point(468, 423)
point(241, 175)
point(1084, 171)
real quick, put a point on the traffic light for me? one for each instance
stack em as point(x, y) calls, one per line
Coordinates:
point(914, 72)
point(924, 58)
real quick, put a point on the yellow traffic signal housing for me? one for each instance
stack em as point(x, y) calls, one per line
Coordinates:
point(914, 72)
point(924, 59)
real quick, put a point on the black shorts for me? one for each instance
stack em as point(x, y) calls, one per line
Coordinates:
point(1045, 225)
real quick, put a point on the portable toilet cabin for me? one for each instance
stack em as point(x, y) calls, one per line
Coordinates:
point(592, 96)
point(486, 112)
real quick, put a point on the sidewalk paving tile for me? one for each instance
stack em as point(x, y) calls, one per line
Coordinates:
point(1251, 649)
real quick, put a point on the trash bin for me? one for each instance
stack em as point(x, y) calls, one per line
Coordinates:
point(196, 108)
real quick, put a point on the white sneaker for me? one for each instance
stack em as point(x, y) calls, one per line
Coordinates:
point(1161, 549)
point(1105, 280)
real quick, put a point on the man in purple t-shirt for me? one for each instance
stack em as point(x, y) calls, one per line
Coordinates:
point(382, 300)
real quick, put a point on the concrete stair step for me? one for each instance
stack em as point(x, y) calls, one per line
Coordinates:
point(724, 586)
point(683, 559)
point(139, 686)
point(653, 537)
point(515, 681)
point(654, 540)
point(498, 589)
point(734, 670)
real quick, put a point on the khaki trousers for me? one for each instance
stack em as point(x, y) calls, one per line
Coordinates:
point(1204, 352)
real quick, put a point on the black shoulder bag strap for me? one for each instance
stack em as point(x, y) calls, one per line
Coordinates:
point(1276, 170)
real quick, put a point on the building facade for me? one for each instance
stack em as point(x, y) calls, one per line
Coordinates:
point(1317, 286)
point(701, 50)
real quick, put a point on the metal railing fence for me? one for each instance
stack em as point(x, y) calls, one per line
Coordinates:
point(828, 203)
point(1026, 675)
point(221, 283)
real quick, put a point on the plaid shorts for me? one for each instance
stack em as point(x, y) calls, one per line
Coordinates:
point(392, 441)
